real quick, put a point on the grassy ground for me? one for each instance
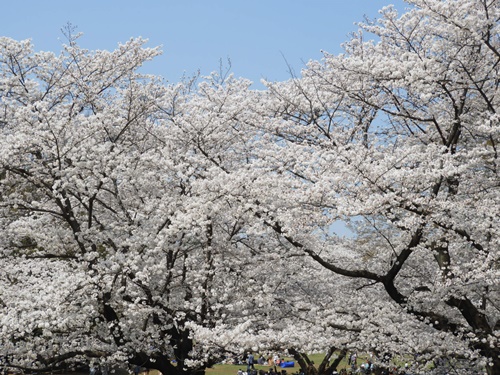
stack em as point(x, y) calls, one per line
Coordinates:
point(233, 369)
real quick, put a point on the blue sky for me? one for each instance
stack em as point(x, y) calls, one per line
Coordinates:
point(257, 35)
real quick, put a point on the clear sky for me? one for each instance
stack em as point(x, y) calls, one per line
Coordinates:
point(257, 35)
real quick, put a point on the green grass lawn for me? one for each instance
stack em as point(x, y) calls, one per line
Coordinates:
point(233, 369)
point(316, 358)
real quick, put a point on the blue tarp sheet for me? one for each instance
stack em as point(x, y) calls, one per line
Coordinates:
point(287, 364)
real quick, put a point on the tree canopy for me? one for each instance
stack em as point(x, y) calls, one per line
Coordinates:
point(169, 225)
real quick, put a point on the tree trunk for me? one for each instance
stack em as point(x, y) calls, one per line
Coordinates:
point(301, 359)
point(307, 366)
point(325, 363)
point(166, 367)
point(336, 362)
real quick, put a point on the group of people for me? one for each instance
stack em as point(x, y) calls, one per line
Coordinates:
point(98, 370)
point(368, 368)
point(271, 371)
point(272, 362)
point(365, 368)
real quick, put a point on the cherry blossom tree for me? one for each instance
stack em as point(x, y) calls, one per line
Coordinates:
point(114, 215)
point(151, 223)
point(397, 139)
